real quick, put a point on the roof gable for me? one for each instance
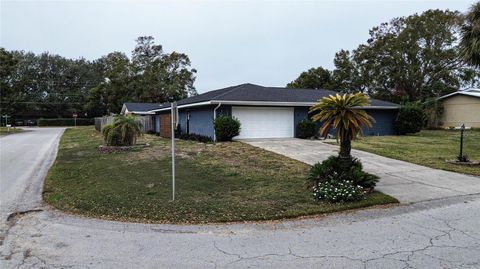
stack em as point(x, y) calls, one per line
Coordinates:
point(469, 92)
point(142, 107)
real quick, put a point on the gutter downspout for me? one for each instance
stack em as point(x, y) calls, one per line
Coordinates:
point(214, 118)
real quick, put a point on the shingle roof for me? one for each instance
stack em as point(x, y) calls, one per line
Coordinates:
point(468, 92)
point(252, 92)
point(143, 107)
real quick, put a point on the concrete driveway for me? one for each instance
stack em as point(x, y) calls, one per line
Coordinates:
point(405, 181)
point(441, 233)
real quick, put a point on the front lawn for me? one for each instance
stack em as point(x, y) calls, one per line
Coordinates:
point(429, 147)
point(8, 131)
point(215, 183)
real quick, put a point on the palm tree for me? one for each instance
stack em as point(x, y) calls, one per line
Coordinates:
point(470, 37)
point(130, 129)
point(343, 113)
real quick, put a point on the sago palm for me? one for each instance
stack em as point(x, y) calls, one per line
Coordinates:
point(470, 37)
point(130, 129)
point(344, 113)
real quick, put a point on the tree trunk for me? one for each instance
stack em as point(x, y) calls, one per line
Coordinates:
point(345, 148)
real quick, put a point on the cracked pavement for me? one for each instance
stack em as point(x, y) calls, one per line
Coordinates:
point(441, 233)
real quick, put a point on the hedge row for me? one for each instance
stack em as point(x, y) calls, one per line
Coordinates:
point(65, 122)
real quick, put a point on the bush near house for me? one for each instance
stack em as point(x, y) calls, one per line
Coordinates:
point(306, 129)
point(410, 119)
point(226, 128)
point(65, 122)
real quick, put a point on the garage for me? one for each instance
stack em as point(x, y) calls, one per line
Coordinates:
point(265, 122)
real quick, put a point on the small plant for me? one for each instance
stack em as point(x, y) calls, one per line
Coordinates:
point(226, 128)
point(306, 129)
point(114, 137)
point(105, 130)
point(337, 191)
point(363, 179)
point(123, 132)
point(410, 119)
point(342, 168)
point(338, 170)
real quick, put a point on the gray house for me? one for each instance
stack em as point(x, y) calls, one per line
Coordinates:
point(264, 112)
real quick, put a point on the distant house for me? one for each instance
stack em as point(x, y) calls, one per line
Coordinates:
point(145, 115)
point(461, 107)
point(139, 108)
point(264, 112)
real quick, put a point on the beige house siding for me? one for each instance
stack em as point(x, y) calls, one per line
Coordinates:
point(460, 109)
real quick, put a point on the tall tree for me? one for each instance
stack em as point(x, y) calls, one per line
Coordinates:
point(346, 75)
point(314, 78)
point(114, 88)
point(409, 58)
point(470, 40)
point(158, 76)
point(8, 64)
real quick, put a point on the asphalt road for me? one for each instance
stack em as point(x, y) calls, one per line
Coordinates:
point(441, 233)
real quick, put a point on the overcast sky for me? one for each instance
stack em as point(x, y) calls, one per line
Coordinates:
point(228, 42)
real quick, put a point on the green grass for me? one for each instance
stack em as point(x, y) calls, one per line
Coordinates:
point(8, 131)
point(429, 148)
point(215, 183)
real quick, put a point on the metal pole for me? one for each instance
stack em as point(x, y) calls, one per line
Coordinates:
point(172, 116)
point(461, 141)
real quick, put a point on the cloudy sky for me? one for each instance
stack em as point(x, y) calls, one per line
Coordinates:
point(229, 42)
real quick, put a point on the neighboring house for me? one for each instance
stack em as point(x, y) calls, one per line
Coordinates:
point(145, 116)
point(461, 107)
point(264, 112)
point(139, 108)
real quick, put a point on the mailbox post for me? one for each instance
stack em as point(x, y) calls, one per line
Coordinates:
point(462, 129)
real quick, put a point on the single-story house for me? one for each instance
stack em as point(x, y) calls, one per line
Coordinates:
point(264, 112)
point(461, 107)
point(140, 108)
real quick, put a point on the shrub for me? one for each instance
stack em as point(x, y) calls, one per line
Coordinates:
point(306, 128)
point(123, 132)
point(65, 122)
point(333, 165)
point(196, 137)
point(337, 191)
point(114, 137)
point(226, 128)
point(363, 179)
point(105, 130)
point(410, 119)
point(339, 169)
point(129, 128)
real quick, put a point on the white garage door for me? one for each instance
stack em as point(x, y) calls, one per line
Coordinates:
point(264, 122)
